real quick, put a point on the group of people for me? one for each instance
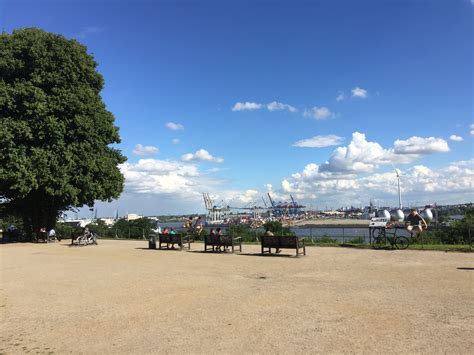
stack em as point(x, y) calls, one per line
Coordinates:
point(46, 235)
point(194, 226)
point(216, 232)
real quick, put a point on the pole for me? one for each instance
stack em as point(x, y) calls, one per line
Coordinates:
point(399, 193)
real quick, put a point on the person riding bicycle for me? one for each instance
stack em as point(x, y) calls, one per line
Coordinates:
point(415, 223)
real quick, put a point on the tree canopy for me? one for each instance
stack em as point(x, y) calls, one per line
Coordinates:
point(55, 131)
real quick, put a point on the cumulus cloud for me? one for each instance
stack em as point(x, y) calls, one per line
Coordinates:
point(242, 106)
point(175, 141)
point(319, 141)
point(359, 156)
point(174, 126)
point(471, 132)
point(362, 155)
point(248, 196)
point(419, 145)
point(360, 93)
point(201, 155)
point(160, 176)
point(341, 96)
point(143, 150)
point(455, 138)
point(450, 183)
point(278, 106)
point(318, 113)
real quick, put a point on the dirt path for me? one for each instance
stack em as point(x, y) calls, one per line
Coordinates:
point(119, 297)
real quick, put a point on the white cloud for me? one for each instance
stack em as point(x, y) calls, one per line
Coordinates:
point(318, 113)
point(319, 141)
point(364, 156)
point(359, 93)
point(455, 138)
point(174, 126)
point(249, 196)
point(175, 141)
point(471, 132)
point(419, 145)
point(278, 106)
point(201, 155)
point(242, 106)
point(143, 150)
point(341, 96)
point(452, 183)
point(160, 176)
point(359, 156)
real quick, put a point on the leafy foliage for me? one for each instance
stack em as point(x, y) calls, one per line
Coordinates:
point(55, 130)
point(243, 230)
point(277, 228)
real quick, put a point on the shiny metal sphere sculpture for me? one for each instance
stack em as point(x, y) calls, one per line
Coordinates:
point(397, 215)
point(427, 214)
point(383, 213)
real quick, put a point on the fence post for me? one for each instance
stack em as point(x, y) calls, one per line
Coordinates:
point(470, 240)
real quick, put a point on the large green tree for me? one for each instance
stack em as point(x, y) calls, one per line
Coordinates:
point(55, 131)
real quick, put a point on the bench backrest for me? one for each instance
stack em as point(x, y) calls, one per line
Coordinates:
point(170, 238)
point(280, 241)
point(225, 240)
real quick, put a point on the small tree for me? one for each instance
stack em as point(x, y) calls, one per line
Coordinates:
point(55, 131)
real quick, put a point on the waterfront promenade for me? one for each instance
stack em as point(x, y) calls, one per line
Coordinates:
point(120, 297)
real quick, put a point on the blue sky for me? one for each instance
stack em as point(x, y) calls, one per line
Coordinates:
point(249, 85)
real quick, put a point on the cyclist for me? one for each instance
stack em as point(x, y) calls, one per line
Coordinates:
point(415, 223)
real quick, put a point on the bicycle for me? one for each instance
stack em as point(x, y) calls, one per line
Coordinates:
point(382, 237)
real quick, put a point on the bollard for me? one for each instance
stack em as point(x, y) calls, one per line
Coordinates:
point(152, 242)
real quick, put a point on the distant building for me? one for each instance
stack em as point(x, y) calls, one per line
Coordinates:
point(108, 221)
point(133, 216)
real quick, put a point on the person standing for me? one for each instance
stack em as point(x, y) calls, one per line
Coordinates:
point(198, 225)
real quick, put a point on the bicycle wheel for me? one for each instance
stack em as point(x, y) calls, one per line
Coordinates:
point(379, 239)
point(402, 242)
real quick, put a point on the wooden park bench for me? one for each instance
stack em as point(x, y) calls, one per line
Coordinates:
point(217, 242)
point(182, 240)
point(282, 242)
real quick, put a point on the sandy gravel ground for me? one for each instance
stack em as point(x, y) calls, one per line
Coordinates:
point(119, 297)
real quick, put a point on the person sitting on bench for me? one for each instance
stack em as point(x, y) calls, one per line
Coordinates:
point(269, 233)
